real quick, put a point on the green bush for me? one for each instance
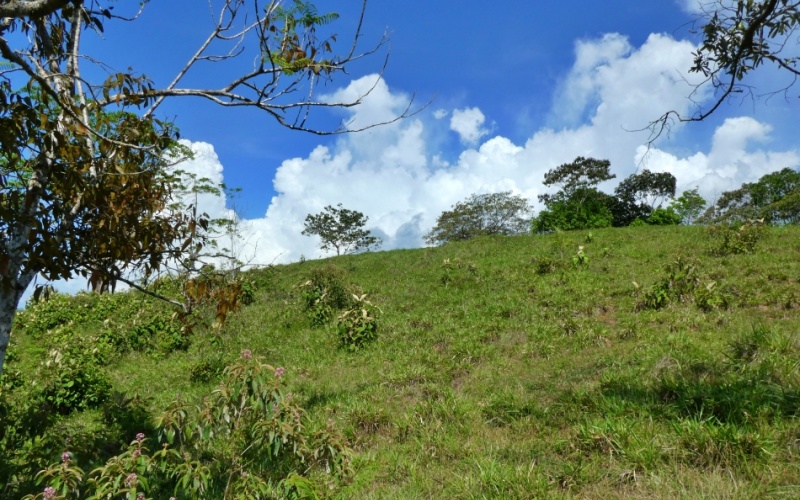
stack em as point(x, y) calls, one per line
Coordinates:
point(664, 217)
point(357, 325)
point(161, 334)
point(736, 239)
point(206, 370)
point(75, 381)
point(326, 291)
point(248, 439)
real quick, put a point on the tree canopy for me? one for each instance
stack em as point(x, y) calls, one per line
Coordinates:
point(579, 204)
point(87, 185)
point(482, 215)
point(341, 230)
point(640, 194)
point(775, 197)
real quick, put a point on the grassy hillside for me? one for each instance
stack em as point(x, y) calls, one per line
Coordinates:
point(507, 367)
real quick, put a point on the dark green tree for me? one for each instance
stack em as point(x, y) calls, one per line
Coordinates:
point(341, 229)
point(576, 178)
point(578, 204)
point(639, 194)
point(481, 215)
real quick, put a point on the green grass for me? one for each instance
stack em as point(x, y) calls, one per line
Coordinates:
point(502, 369)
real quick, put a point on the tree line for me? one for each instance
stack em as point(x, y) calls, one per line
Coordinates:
point(644, 198)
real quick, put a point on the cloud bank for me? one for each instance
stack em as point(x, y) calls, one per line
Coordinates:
point(396, 177)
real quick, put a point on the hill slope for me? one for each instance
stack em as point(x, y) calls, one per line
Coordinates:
point(514, 367)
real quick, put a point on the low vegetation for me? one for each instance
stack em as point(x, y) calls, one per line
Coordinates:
point(647, 361)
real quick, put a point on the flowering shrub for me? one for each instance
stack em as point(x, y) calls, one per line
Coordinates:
point(247, 439)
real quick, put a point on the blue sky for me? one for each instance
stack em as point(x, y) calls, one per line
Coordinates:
point(517, 88)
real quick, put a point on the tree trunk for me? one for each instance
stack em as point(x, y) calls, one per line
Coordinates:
point(9, 300)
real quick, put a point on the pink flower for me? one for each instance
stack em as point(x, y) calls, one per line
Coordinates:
point(65, 458)
point(140, 496)
point(136, 453)
point(279, 371)
point(247, 354)
point(49, 493)
point(131, 480)
point(140, 437)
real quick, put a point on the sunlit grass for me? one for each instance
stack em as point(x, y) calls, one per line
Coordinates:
point(504, 369)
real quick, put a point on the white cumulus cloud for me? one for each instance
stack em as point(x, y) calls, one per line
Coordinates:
point(468, 124)
point(394, 175)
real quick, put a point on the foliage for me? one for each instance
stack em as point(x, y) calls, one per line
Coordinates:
point(74, 381)
point(689, 205)
point(208, 369)
point(585, 209)
point(578, 204)
point(664, 217)
point(247, 439)
point(736, 239)
point(451, 272)
point(639, 194)
point(341, 229)
point(326, 291)
point(482, 215)
point(358, 324)
point(772, 198)
point(580, 258)
point(576, 177)
point(683, 281)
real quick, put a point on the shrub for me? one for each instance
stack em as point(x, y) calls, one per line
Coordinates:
point(206, 369)
point(323, 293)
point(357, 325)
point(248, 439)
point(664, 217)
point(736, 239)
point(75, 382)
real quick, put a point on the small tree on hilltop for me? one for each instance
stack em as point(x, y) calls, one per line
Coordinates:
point(578, 204)
point(484, 214)
point(689, 205)
point(341, 229)
point(641, 194)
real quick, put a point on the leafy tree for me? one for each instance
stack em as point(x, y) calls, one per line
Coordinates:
point(640, 194)
point(738, 37)
point(689, 205)
point(663, 217)
point(86, 184)
point(340, 229)
point(774, 197)
point(481, 215)
point(576, 178)
point(588, 208)
point(578, 204)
